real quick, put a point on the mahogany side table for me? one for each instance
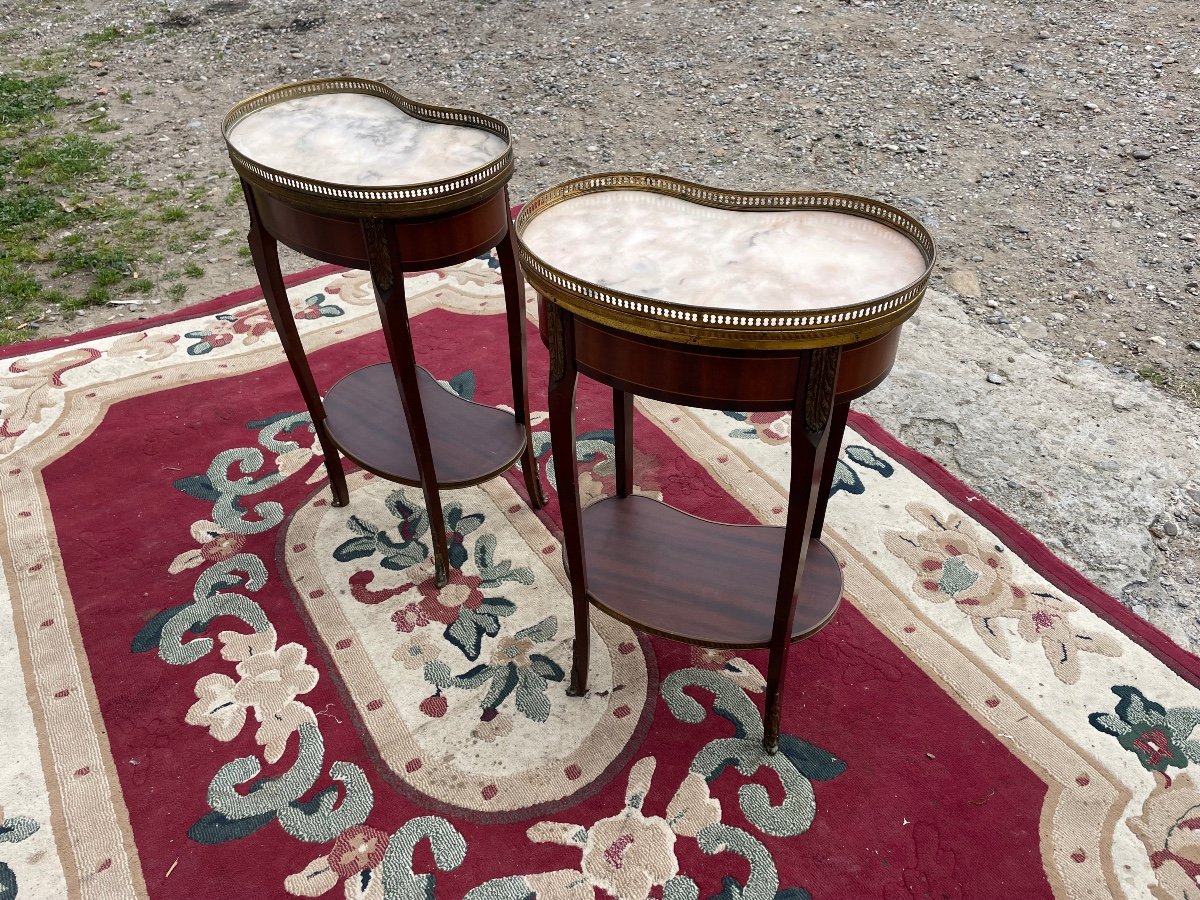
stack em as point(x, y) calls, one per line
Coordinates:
point(721, 300)
point(348, 171)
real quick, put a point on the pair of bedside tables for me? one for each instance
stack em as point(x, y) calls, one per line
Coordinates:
point(653, 286)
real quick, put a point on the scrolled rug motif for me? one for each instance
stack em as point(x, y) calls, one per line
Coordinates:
point(216, 684)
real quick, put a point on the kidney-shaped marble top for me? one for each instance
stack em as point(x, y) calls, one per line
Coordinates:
point(360, 139)
point(668, 249)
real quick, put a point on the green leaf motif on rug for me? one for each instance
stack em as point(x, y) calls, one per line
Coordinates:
point(629, 853)
point(315, 307)
point(463, 384)
point(13, 831)
point(271, 678)
point(797, 762)
point(1159, 737)
point(513, 670)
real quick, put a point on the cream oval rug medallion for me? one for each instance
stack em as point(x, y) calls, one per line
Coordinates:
point(463, 691)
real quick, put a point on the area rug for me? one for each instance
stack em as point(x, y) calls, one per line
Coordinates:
point(218, 685)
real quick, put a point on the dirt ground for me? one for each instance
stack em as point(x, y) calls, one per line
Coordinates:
point(1051, 148)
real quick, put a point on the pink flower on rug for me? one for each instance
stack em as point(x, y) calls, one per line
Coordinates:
point(237, 646)
point(276, 728)
point(442, 604)
point(254, 322)
point(150, 348)
point(417, 651)
point(954, 561)
point(512, 650)
point(216, 708)
point(271, 680)
point(439, 604)
point(358, 848)
point(629, 854)
point(1169, 828)
point(771, 427)
point(565, 884)
point(216, 544)
point(741, 672)
point(410, 617)
point(292, 461)
point(1045, 619)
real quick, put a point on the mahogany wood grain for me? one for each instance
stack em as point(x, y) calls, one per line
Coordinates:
point(664, 571)
point(425, 244)
point(561, 398)
point(470, 442)
point(264, 250)
point(864, 366)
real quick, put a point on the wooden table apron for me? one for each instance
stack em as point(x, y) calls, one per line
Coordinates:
point(393, 419)
point(626, 539)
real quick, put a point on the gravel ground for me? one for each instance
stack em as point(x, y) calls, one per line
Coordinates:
point(1051, 148)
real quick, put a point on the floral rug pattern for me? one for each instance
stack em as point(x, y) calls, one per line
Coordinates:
point(221, 685)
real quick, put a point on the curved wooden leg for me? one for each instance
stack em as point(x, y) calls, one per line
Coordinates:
point(563, 376)
point(623, 440)
point(387, 274)
point(810, 434)
point(264, 250)
point(833, 446)
point(514, 304)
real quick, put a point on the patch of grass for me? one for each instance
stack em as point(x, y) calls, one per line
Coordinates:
point(234, 196)
point(29, 101)
point(172, 214)
point(98, 120)
point(108, 265)
point(1155, 377)
point(53, 60)
point(59, 159)
point(74, 230)
point(103, 38)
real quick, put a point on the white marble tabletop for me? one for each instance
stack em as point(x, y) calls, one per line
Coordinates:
point(359, 139)
point(668, 249)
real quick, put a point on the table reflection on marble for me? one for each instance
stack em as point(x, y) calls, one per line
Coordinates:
point(668, 249)
point(359, 139)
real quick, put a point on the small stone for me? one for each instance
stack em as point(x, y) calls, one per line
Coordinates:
point(1171, 528)
point(965, 283)
point(1159, 339)
point(993, 378)
point(1194, 345)
point(385, 59)
point(1141, 153)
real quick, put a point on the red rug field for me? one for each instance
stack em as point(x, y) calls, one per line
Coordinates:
point(217, 685)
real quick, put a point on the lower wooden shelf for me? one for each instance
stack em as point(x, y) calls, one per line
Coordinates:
point(666, 572)
point(470, 442)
